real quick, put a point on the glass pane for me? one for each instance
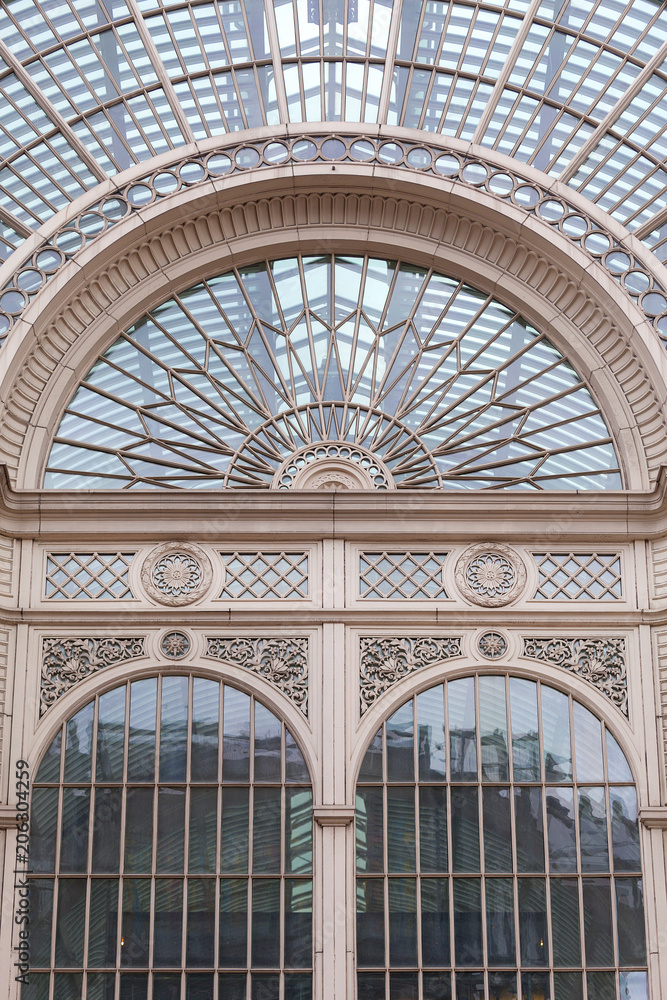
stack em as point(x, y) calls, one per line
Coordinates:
point(435, 922)
point(587, 744)
point(138, 829)
point(371, 766)
point(496, 806)
point(601, 985)
point(234, 825)
point(634, 986)
point(141, 751)
point(597, 922)
point(100, 985)
point(565, 922)
point(167, 985)
point(370, 921)
point(370, 986)
point(298, 986)
point(236, 736)
point(103, 923)
point(174, 729)
point(403, 986)
point(561, 830)
point(462, 730)
point(133, 986)
point(198, 986)
point(401, 828)
point(266, 830)
point(525, 735)
point(493, 729)
point(43, 824)
point(233, 922)
point(298, 924)
point(535, 986)
point(295, 765)
point(78, 745)
point(431, 735)
point(41, 919)
point(503, 984)
point(468, 921)
point(204, 748)
point(49, 768)
point(135, 922)
point(469, 986)
point(298, 830)
point(630, 917)
point(71, 921)
point(264, 986)
point(556, 735)
point(625, 829)
point(203, 830)
point(74, 825)
point(593, 830)
point(168, 926)
point(106, 829)
point(232, 986)
point(267, 745)
point(533, 922)
point(465, 830)
point(265, 923)
point(529, 829)
point(437, 986)
point(111, 735)
point(500, 921)
point(400, 745)
point(201, 922)
point(170, 830)
point(67, 985)
point(433, 828)
point(370, 826)
point(618, 768)
point(403, 921)
point(568, 986)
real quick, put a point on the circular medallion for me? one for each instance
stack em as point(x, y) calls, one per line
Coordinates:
point(492, 645)
point(490, 575)
point(175, 645)
point(176, 574)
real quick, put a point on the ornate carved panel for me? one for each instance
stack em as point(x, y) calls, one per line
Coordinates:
point(600, 661)
point(176, 574)
point(385, 660)
point(490, 575)
point(68, 660)
point(281, 661)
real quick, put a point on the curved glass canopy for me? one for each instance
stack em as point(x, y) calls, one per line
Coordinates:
point(92, 87)
point(421, 379)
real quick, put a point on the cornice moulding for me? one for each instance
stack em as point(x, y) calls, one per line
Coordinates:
point(654, 818)
point(8, 817)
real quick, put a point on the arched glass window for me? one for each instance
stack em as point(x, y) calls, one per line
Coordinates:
point(497, 851)
point(171, 846)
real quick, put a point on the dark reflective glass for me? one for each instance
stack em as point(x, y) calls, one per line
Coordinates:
point(111, 735)
point(232, 986)
point(400, 745)
point(167, 985)
point(267, 745)
point(535, 986)
point(41, 920)
point(468, 921)
point(49, 768)
point(601, 985)
point(371, 766)
point(170, 830)
point(433, 828)
point(100, 985)
point(168, 922)
point(103, 922)
point(370, 922)
point(174, 729)
point(533, 922)
point(43, 825)
point(561, 830)
point(265, 986)
point(37, 987)
point(266, 830)
point(431, 735)
point(67, 985)
point(204, 745)
point(138, 829)
point(493, 729)
point(295, 765)
point(618, 768)
point(402, 921)
point(462, 729)
point(465, 830)
point(234, 833)
point(502, 985)
point(469, 985)
point(630, 918)
point(496, 807)
point(568, 986)
point(74, 826)
point(437, 986)
point(625, 829)
point(593, 830)
point(370, 826)
point(298, 986)
point(265, 923)
point(529, 829)
point(298, 924)
point(233, 922)
point(565, 922)
point(133, 986)
point(556, 735)
point(135, 922)
point(78, 745)
point(199, 986)
point(236, 736)
point(435, 922)
point(201, 922)
point(203, 830)
point(141, 746)
point(370, 986)
point(597, 922)
point(525, 733)
point(500, 921)
point(403, 986)
point(106, 830)
point(298, 830)
point(401, 828)
point(587, 744)
point(70, 923)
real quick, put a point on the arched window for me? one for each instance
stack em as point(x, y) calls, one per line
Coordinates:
point(497, 851)
point(172, 850)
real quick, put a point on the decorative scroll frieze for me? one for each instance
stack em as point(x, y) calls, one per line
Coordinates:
point(281, 661)
point(68, 660)
point(385, 660)
point(600, 661)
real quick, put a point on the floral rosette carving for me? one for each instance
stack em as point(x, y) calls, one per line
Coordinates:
point(67, 661)
point(281, 661)
point(490, 575)
point(385, 660)
point(600, 661)
point(176, 574)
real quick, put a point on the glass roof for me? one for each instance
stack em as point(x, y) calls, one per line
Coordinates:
point(91, 87)
point(437, 383)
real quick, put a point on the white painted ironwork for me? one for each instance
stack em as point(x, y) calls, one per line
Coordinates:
point(579, 576)
point(76, 576)
point(399, 576)
point(265, 575)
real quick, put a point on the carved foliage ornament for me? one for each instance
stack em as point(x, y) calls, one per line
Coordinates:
point(66, 661)
point(385, 660)
point(176, 574)
point(490, 575)
point(600, 661)
point(281, 661)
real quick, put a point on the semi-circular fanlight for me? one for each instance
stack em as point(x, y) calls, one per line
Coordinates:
point(404, 376)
